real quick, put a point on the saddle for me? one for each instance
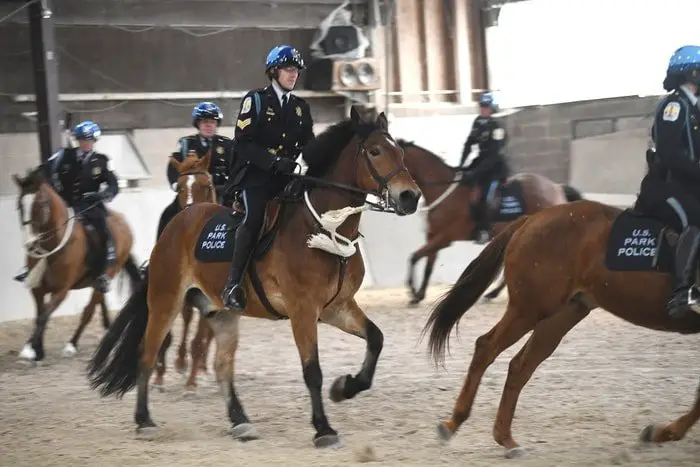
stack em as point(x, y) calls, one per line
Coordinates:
point(505, 202)
point(640, 242)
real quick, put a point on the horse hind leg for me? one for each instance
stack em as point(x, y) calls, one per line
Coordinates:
point(677, 429)
point(514, 324)
point(71, 348)
point(545, 338)
point(224, 325)
point(352, 320)
point(181, 360)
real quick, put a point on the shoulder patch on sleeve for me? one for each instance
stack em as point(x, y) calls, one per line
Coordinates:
point(498, 134)
point(671, 111)
point(246, 105)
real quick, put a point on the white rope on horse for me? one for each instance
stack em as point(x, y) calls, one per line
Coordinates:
point(330, 221)
point(445, 194)
point(34, 250)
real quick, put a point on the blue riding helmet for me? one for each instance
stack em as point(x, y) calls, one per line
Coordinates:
point(282, 56)
point(87, 130)
point(206, 110)
point(685, 63)
point(487, 100)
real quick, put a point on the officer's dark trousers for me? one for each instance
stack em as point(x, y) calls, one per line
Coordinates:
point(673, 203)
point(97, 217)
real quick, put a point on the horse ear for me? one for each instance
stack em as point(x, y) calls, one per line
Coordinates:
point(205, 161)
point(17, 180)
point(382, 121)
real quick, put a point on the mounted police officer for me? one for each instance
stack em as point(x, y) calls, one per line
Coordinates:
point(273, 127)
point(671, 188)
point(206, 118)
point(78, 175)
point(490, 166)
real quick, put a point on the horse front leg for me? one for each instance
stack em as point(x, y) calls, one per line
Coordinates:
point(304, 323)
point(430, 249)
point(352, 320)
point(675, 430)
point(33, 350)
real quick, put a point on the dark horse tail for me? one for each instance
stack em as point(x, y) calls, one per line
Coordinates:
point(115, 364)
point(571, 193)
point(473, 282)
point(133, 272)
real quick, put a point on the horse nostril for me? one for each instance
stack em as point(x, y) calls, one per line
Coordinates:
point(408, 199)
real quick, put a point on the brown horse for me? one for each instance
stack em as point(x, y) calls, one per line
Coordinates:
point(194, 185)
point(447, 206)
point(307, 269)
point(560, 264)
point(58, 257)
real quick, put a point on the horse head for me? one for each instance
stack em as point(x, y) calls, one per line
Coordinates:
point(194, 183)
point(384, 171)
point(37, 199)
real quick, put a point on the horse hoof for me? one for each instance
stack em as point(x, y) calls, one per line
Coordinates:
point(69, 350)
point(444, 433)
point(515, 453)
point(160, 387)
point(647, 434)
point(327, 441)
point(245, 432)
point(27, 353)
point(336, 393)
point(146, 433)
point(189, 393)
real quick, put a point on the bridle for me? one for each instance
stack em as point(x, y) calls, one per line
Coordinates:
point(383, 181)
point(210, 185)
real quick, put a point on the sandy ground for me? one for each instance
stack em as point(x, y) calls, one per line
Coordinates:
point(584, 406)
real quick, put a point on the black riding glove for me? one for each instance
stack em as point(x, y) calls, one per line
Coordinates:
point(284, 165)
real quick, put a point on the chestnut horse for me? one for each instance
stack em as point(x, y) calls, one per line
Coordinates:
point(58, 256)
point(194, 185)
point(448, 212)
point(560, 264)
point(304, 270)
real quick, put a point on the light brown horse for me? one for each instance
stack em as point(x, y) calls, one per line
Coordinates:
point(449, 215)
point(194, 185)
point(560, 264)
point(57, 257)
point(306, 271)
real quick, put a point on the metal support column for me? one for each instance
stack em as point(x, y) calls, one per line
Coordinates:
point(45, 67)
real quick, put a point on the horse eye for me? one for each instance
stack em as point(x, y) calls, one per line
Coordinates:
point(374, 152)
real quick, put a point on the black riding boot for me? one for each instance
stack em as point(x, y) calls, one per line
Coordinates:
point(233, 295)
point(102, 282)
point(22, 275)
point(481, 222)
point(685, 295)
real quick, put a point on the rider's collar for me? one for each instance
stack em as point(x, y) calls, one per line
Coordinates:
point(693, 98)
point(279, 91)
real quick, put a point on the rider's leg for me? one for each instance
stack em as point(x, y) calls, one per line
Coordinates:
point(671, 204)
point(255, 200)
point(99, 220)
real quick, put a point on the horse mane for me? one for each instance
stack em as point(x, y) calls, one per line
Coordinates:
point(322, 152)
point(405, 144)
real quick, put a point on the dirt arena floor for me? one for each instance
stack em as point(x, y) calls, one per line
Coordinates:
point(585, 405)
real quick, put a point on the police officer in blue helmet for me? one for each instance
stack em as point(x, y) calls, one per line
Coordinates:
point(490, 167)
point(206, 118)
point(272, 128)
point(84, 179)
point(670, 190)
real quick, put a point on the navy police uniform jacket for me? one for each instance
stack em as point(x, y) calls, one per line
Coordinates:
point(491, 138)
point(221, 156)
point(73, 175)
point(265, 131)
point(676, 134)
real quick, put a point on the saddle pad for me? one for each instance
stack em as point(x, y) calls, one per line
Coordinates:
point(637, 243)
point(215, 242)
point(511, 205)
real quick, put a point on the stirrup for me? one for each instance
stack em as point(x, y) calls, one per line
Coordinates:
point(692, 302)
